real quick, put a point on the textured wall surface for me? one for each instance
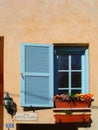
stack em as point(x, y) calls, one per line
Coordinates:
point(47, 21)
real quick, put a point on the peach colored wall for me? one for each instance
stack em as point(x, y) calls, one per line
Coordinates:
point(47, 21)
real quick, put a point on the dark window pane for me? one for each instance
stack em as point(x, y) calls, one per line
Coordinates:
point(63, 80)
point(75, 91)
point(76, 79)
point(63, 62)
point(76, 62)
point(63, 92)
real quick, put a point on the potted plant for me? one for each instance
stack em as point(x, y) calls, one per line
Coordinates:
point(73, 101)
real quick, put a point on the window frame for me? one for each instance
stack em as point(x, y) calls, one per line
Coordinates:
point(84, 63)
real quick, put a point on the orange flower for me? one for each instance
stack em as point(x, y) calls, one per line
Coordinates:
point(84, 96)
point(88, 96)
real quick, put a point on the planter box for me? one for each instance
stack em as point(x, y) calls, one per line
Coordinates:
point(76, 104)
point(79, 118)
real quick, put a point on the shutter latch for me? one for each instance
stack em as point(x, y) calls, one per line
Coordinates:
point(22, 75)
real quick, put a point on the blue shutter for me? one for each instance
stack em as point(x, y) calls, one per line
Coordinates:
point(37, 75)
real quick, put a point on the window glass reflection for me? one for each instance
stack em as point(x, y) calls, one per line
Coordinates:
point(63, 62)
point(76, 62)
point(76, 79)
point(63, 80)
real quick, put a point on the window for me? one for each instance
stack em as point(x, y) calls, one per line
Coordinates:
point(71, 70)
point(47, 70)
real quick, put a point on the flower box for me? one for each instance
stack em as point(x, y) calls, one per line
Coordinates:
point(73, 101)
point(75, 104)
point(78, 118)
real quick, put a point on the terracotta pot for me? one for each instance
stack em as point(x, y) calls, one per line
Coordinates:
point(75, 104)
point(79, 118)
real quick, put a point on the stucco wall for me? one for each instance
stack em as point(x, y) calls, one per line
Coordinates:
point(47, 21)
